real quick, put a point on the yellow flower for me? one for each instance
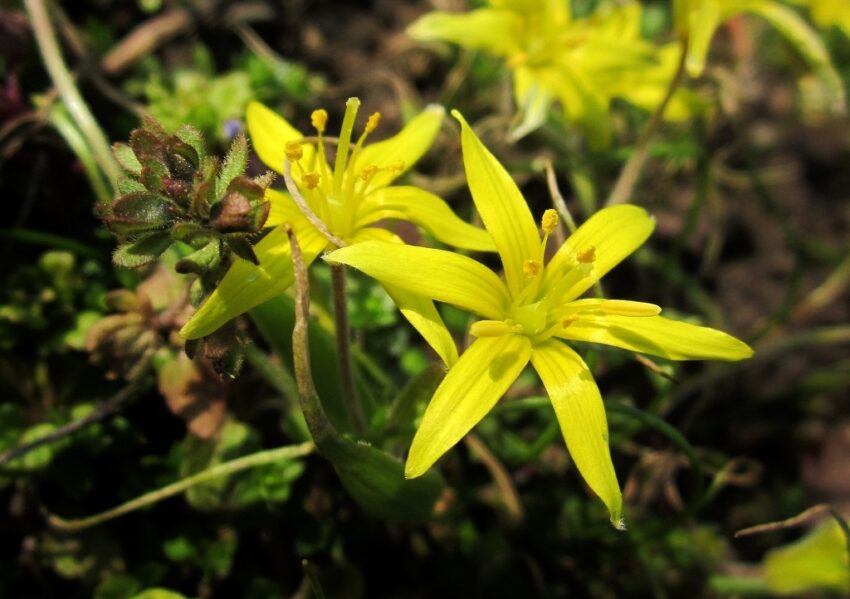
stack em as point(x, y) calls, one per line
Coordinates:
point(581, 63)
point(698, 20)
point(826, 13)
point(339, 206)
point(528, 317)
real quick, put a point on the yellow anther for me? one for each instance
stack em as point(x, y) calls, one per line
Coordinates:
point(531, 268)
point(587, 255)
point(490, 328)
point(367, 172)
point(310, 180)
point(568, 320)
point(319, 119)
point(549, 222)
point(398, 166)
point(373, 122)
point(293, 150)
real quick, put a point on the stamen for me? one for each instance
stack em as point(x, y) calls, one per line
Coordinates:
point(319, 119)
point(568, 320)
point(310, 180)
point(293, 151)
point(587, 255)
point(397, 166)
point(491, 328)
point(549, 222)
point(531, 268)
point(368, 172)
point(372, 123)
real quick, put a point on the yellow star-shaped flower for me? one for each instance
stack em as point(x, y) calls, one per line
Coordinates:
point(529, 316)
point(338, 206)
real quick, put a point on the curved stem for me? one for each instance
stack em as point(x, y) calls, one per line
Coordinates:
point(64, 82)
point(628, 178)
point(259, 458)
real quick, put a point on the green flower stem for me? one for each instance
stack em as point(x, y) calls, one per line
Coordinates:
point(355, 412)
point(48, 46)
point(625, 185)
point(259, 458)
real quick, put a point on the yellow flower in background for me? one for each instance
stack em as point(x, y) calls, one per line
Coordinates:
point(826, 13)
point(528, 316)
point(698, 20)
point(342, 202)
point(580, 63)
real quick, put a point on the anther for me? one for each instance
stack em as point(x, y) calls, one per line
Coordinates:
point(368, 171)
point(549, 222)
point(293, 151)
point(310, 180)
point(568, 320)
point(398, 166)
point(319, 119)
point(587, 255)
point(373, 121)
point(531, 268)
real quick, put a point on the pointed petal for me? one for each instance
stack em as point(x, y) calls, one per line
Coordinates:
point(658, 336)
point(246, 285)
point(703, 21)
point(496, 31)
point(426, 210)
point(502, 208)
point(422, 314)
point(472, 387)
point(613, 233)
point(581, 414)
point(269, 133)
point(435, 274)
point(419, 311)
point(407, 146)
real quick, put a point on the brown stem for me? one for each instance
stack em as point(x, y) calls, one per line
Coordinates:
point(343, 341)
point(628, 178)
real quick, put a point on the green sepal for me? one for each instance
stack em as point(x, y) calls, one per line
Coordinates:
point(242, 248)
point(234, 164)
point(205, 259)
point(127, 158)
point(138, 212)
point(142, 251)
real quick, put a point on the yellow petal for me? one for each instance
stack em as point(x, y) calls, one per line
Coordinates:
point(407, 147)
point(581, 414)
point(246, 285)
point(703, 18)
point(436, 274)
point(818, 561)
point(418, 310)
point(658, 336)
point(501, 206)
point(269, 133)
point(422, 314)
point(612, 233)
point(426, 210)
point(282, 209)
point(472, 387)
point(497, 31)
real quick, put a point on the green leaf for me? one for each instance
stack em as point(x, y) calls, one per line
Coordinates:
point(203, 260)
